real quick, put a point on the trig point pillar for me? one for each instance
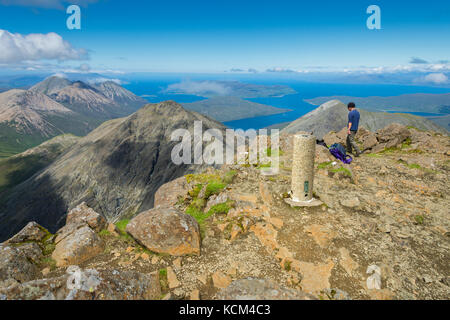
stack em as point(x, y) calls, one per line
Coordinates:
point(303, 171)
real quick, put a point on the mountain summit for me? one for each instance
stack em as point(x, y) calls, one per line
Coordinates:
point(333, 116)
point(116, 169)
point(56, 106)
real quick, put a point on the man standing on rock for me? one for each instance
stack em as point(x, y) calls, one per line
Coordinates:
point(353, 125)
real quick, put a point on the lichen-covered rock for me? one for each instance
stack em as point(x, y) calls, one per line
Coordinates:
point(367, 139)
point(169, 194)
point(393, 135)
point(323, 154)
point(90, 284)
point(166, 230)
point(67, 230)
point(82, 213)
point(336, 137)
point(260, 289)
point(215, 200)
point(15, 265)
point(31, 232)
point(77, 247)
point(32, 251)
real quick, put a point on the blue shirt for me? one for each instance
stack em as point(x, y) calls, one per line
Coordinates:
point(353, 118)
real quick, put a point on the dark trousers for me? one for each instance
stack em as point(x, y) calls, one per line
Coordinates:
point(351, 143)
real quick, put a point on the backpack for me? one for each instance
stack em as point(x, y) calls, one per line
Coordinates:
point(338, 151)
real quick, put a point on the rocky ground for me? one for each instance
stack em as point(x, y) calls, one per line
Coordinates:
point(382, 233)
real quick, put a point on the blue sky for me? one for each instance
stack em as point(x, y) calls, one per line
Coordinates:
point(219, 35)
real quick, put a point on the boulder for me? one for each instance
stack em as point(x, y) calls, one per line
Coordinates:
point(169, 193)
point(215, 200)
point(90, 284)
point(166, 230)
point(220, 280)
point(77, 247)
point(14, 265)
point(367, 139)
point(336, 137)
point(260, 289)
point(351, 202)
point(323, 154)
point(82, 213)
point(31, 232)
point(393, 135)
point(67, 230)
point(379, 147)
point(32, 251)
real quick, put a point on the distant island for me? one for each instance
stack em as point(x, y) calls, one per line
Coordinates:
point(231, 108)
point(210, 89)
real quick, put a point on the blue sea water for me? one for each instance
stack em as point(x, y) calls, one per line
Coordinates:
point(153, 91)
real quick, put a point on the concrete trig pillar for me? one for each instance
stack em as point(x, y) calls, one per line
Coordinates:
point(303, 171)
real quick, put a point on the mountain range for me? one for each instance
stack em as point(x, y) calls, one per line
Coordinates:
point(116, 169)
point(56, 106)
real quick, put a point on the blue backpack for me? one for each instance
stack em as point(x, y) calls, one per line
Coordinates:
point(338, 151)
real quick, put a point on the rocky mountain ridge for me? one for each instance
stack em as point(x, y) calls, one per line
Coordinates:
point(116, 169)
point(56, 106)
point(333, 115)
point(382, 233)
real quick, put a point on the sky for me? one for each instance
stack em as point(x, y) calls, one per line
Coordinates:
point(228, 36)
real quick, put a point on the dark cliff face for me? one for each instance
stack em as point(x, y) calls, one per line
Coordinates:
point(116, 169)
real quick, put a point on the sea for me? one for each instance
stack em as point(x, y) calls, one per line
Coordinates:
point(153, 90)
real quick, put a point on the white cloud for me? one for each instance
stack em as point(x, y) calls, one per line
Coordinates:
point(48, 4)
point(101, 80)
point(437, 78)
point(280, 70)
point(59, 75)
point(15, 48)
point(198, 88)
point(85, 67)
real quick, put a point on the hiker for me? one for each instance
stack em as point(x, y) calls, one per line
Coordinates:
point(353, 124)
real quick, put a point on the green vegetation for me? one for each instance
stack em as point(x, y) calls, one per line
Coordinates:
point(48, 249)
point(406, 143)
point(229, 176)
point(163, 281)
point(419, 219)
point(214, 187)
point(202, 178)
point(343, 170)
point(213, 184)
point(104, 233)
point(122, 225)
point(373, 155)
point(196, 190)
point(416, 166)
point(269, 152)
point(15, 170)
point(49, 262)
point(221, 208)
point(287, 265)
point(324, 165)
